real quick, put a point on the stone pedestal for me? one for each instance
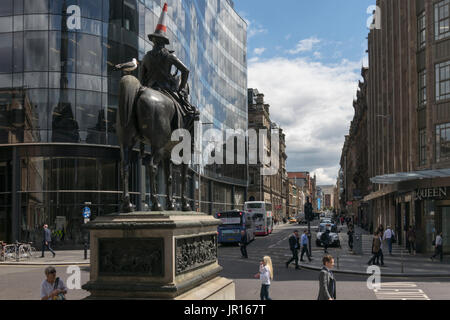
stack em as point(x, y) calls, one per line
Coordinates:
point(165, 255)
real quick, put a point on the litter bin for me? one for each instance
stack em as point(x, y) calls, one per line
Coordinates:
point(357, 244)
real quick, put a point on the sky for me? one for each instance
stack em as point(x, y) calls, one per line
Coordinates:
point(306, 58)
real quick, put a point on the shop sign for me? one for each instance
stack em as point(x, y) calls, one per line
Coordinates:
point(430, 193)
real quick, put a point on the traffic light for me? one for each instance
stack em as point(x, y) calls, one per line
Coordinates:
point(309, 212)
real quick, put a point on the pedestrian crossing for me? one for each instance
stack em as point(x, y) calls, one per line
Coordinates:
point(400, 291)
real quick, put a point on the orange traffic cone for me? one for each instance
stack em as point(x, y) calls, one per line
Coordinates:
point(161, 28)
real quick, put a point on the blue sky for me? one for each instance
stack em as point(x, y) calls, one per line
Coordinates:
point(279, 27)
point(306, 56)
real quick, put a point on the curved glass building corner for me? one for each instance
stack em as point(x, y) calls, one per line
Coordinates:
point(58, 102)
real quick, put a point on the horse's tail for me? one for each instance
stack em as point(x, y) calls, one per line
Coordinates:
point(128, 91)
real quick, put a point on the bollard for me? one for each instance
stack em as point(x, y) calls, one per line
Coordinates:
point(402, 266)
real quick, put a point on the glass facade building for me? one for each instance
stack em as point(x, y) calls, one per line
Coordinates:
point(59, 96)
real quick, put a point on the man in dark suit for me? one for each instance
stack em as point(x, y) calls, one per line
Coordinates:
point(327, 283)
point(294, 245)
point(243, 244)
point(47, 240)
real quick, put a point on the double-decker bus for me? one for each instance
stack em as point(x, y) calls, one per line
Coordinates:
point(262, 215)
point(233, 222)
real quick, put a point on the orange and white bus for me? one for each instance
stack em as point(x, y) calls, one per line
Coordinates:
point(262, 216)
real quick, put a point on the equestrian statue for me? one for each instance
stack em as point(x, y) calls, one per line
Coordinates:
point(150, 109)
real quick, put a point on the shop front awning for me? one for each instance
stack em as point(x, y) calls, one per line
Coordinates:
point(413, 175)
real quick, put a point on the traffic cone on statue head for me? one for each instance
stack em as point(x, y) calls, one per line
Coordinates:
point(160, 34)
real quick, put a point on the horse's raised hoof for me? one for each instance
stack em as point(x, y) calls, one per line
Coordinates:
point(126, 207)
point(170, 206)
point(157, 207)
point(186, 207)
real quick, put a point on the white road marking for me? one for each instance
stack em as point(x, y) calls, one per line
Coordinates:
point(400, 291)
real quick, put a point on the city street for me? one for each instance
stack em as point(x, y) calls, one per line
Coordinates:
point(23, 281)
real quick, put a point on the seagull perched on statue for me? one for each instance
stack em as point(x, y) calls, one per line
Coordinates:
point(127, 66)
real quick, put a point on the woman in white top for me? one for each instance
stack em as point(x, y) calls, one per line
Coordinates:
point(265, 275)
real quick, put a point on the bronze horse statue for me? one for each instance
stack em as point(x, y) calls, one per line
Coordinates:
point(145, 115)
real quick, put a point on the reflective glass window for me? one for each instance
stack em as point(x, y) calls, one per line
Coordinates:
point(108, 174)
point(87, 174)
point(64, 125)
point(90, 26)
point(36, 6)
point(18, 52)
point(62, 51)
point(39, 107)
point(6, 53)
point(35, 22)
point(88, 82)
point(6, 7)
point(91, 9)
point(36, 79)
point(130, 15)
point(36, 48)
point(89, 54)
point(18, 23)
point(5, 80)
point(113, 11)
point(6, 24)
point(18, 6)
point(89, 107)
point(62, 80)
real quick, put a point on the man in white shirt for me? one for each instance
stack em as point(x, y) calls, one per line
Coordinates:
point(438, 247)
point(388, 234)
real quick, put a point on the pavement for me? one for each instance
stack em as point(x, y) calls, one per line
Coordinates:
point(399, 264)
point(62, 258)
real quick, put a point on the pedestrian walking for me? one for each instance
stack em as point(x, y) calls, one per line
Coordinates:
point(411, 236)
point(294, 246)
point(325, 238)
point(437, 243)
point(304, 243)
point(376, 245)
point(243, 244)
point(52, 288)
point(47, 240)
point(327, 282)
point(350, 234)
point(380, 256)
point(266, 276)
point(389, 236)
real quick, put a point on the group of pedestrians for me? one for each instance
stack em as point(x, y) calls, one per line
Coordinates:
point(295, 245)
point(327, 281)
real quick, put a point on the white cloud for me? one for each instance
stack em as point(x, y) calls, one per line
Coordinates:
point(312, 102)
point(259, 51)
point(305, 45)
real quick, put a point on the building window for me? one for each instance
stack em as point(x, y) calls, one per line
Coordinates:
point(423, 147)
point(443, 80)
point(443, 142)
point(422, 88)
point(421, 28)
point(441, 20)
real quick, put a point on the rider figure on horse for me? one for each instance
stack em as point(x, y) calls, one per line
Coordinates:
point(156, 73)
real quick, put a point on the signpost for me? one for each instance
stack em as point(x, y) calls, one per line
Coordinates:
point(86, 215)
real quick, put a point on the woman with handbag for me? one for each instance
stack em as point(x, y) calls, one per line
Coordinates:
point(52, 288)
point(265, 275)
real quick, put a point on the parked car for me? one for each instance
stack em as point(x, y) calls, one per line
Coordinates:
point(301, 218)
point(334, 236)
